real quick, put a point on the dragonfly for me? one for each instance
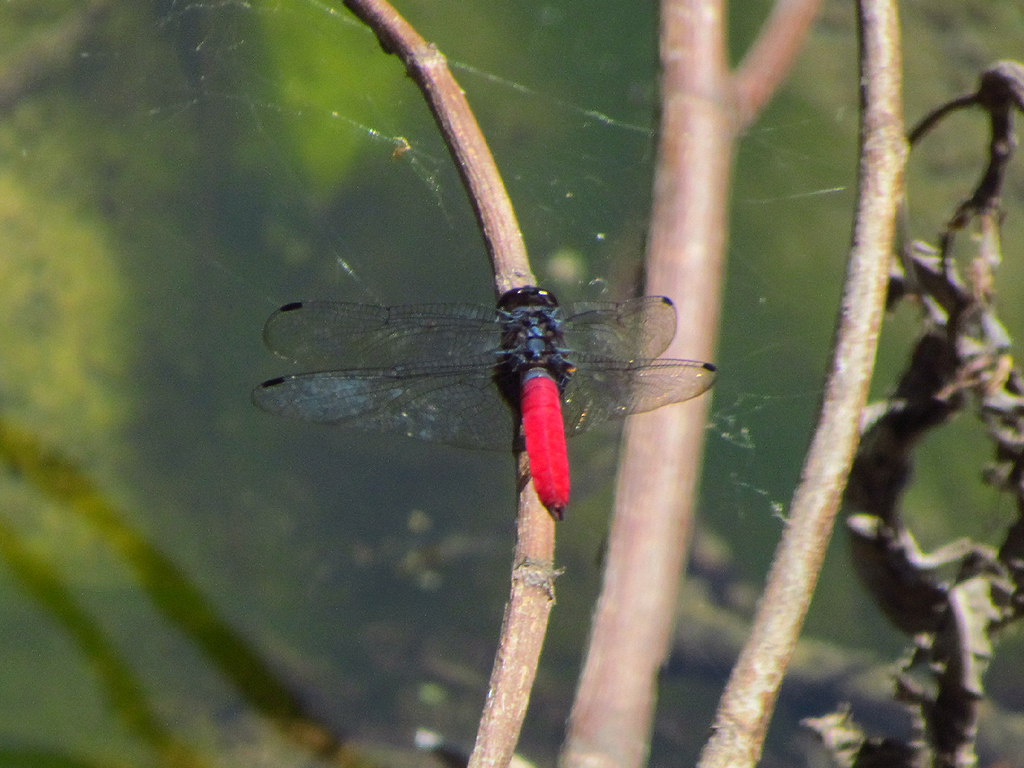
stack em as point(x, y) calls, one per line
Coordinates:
point(525, 375)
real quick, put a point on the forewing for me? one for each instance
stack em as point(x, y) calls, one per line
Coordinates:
point(638, 329)
point(326, 334)
point(456, 405)
point(601, 390)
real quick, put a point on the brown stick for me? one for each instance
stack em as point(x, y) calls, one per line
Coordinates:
point(749, 698)
point(522, 633)
point(533, 575)
point(611, 718)
point(766, 63)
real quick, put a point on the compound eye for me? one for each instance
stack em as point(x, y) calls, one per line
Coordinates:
point(528, 296)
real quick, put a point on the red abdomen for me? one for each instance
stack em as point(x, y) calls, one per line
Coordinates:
point(544, 431)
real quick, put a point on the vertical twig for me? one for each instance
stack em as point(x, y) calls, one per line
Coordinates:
point(533, 574)
point(611, 717)
point(522, 634)
point(702, 111)
point(769, 59)
point(750, 695)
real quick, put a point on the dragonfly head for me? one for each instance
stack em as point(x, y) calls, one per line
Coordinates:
point(527, 296)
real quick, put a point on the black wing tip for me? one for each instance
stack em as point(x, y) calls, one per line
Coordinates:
point(292, 306)
point(709, 367)
point(271, 383)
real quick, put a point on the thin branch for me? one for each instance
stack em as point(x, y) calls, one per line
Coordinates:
point(522, 634)
point(771, 56)
point(749, 698)
point(533, 575)
point(932, 119)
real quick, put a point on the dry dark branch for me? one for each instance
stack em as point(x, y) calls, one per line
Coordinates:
point(953, 601)
point(712, 630)
point(1000, 93)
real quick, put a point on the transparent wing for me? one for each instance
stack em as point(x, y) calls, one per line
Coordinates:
point(327, 334)
point(601, 390)
point(638, 329)
point(426, 371)
point(458, 404)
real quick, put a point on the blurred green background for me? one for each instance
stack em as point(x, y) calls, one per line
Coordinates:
point(171, 172)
